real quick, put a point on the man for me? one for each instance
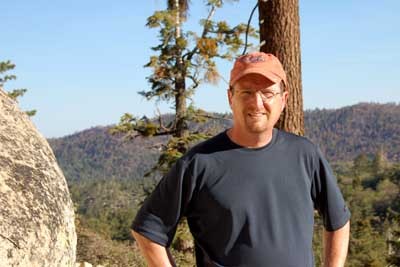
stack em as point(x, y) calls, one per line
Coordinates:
point(248, 193)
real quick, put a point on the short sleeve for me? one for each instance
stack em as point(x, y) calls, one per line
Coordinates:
point(328, 199)
point(160, 213)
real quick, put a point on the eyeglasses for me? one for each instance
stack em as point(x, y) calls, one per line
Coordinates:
point(266, 96)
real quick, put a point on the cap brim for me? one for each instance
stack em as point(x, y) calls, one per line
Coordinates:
point(267, 74)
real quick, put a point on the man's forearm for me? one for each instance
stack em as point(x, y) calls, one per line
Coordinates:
point(155, 254)
point(336, 244)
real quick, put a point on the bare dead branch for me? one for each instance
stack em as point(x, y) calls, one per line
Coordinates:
point(166, 129)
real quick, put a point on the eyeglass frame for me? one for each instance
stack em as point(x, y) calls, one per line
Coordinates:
point(264, 98)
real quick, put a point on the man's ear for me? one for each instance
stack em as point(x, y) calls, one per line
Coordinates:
point(229, 92)
point(284, 99)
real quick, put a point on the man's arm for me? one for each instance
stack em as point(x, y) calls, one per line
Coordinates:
point(155, 254)
point(335, 246)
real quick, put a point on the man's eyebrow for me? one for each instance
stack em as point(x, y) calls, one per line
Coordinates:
point(267, 89)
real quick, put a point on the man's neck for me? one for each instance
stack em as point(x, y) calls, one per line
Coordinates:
point(249, 140)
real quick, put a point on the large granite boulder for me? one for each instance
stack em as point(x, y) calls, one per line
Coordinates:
point(36, 212)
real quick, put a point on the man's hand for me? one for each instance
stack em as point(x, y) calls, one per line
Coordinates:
point(336, 244)
point(155, 254)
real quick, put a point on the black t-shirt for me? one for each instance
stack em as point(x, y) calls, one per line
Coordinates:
point(246, 207)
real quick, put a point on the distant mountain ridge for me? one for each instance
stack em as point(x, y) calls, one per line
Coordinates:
point(342, 134)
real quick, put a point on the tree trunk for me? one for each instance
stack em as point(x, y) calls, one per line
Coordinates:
point(180, 85)
point(180, 108)
point(280, 29)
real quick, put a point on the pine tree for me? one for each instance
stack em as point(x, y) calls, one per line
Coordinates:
point(379, 163)
point(183, 60)
point(393, 232)
point(393, 240)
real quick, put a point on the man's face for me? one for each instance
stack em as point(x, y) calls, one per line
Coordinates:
point(252, 111)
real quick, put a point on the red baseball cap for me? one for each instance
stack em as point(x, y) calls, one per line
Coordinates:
point(267, 65)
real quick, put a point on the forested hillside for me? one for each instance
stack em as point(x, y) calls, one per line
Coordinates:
point(95, 154)
point(364, 128)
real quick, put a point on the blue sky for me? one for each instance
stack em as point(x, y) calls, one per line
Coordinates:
point(82, 61)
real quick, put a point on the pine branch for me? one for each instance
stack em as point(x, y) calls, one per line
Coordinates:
point(208, 116)
point(189, 55)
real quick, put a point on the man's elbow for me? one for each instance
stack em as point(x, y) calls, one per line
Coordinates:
point(139, 237)
point(145, 242)
point(134, 234)
point(345, 227)
point(342, 233)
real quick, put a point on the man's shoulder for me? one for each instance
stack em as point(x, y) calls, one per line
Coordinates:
point(295, 141)
point(209, 146)
point(206, 154)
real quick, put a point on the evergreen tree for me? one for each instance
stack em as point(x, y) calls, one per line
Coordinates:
point(393, 240)
point(367, 245)
point(184, 60)
point(360, 170)
point(380, 163)
point(361, 164)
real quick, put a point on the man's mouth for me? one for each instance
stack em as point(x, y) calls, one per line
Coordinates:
point(256, 114)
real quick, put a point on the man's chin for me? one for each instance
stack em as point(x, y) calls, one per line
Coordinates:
point(257, 129)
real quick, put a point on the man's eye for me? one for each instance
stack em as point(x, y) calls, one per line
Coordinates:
point(268, 94)
point(246, 92)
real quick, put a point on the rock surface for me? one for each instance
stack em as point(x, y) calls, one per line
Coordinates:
point(36, 212)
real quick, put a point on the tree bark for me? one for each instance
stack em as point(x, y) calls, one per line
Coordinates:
point(280, 29)
point(180, 108)
point(180, 85)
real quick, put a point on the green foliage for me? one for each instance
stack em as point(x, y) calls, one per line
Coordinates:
point(367, 245)
point(6, 66)
point(197, 52)
point(372, 200)
point(94, 154)
point(175, 148)
point(360, 165)
point(107, 206)
point(182, 247)
point(393, 256)
point(17, 93)
point(97, 249)
point(379, 163)
point(130, 124)
point(317, 239)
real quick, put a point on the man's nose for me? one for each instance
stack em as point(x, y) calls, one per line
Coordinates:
point(257, 99)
